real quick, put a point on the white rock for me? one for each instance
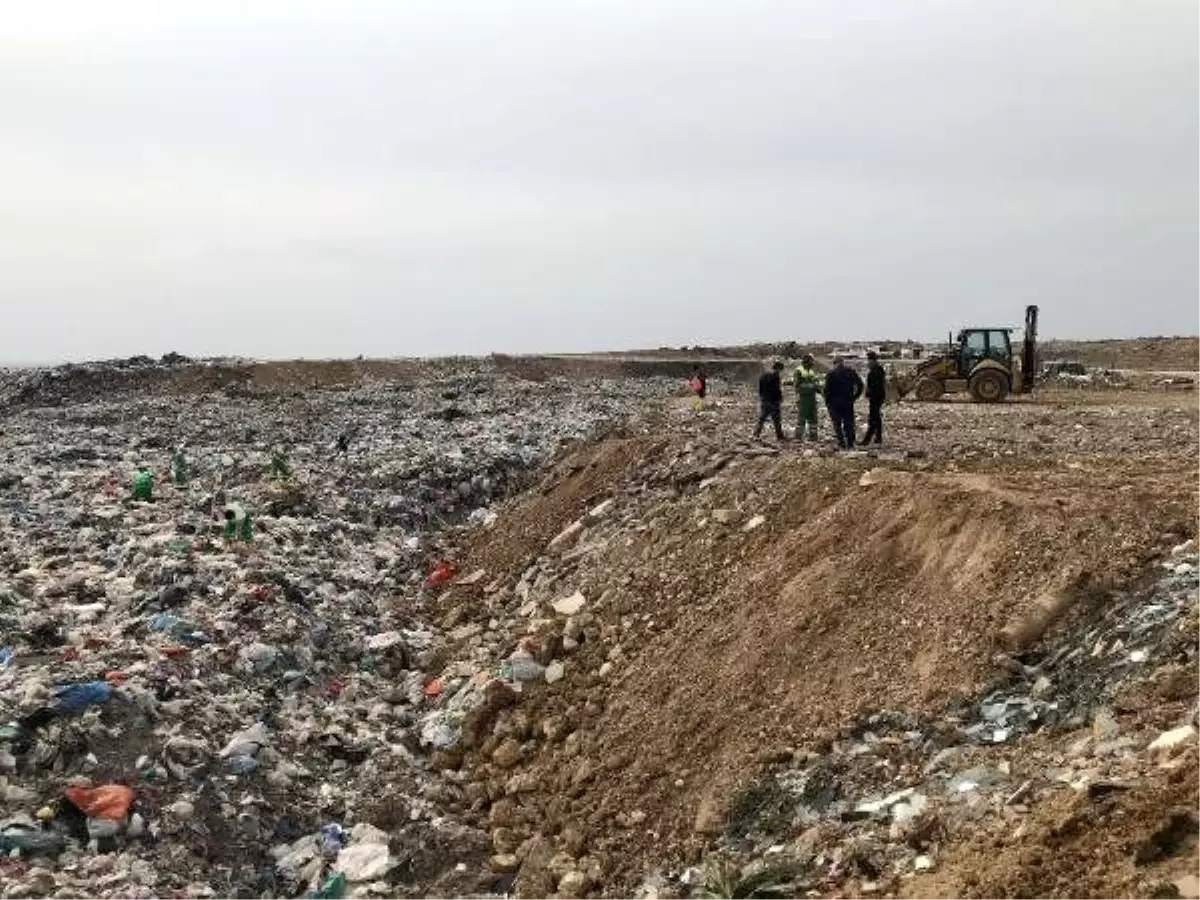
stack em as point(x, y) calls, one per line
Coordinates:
point(555, 672)
point(568, 606)
point(567, 536)
point(599, 511)
point(754, 523)
point(474, 578)
point(364, 862)
point(181, 810)
point(384, 640)
point(1172, 740)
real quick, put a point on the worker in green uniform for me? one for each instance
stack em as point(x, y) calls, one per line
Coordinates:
point(143, 484)
point(237, 524)
point(808, 387)
point(179, 467)
point(279, 464)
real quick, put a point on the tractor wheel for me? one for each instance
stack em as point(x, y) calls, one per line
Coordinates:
point(989, 387)
point(928, 389)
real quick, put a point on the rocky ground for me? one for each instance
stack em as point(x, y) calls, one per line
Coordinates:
point(535, 635)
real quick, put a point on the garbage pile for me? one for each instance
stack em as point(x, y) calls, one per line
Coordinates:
point(878, 806)
point(73, 381)
point(214, 660)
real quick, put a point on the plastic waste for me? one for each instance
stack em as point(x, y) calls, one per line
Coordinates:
point(103, 829)
point(31, 841)
point(521, 667)
point(241, 764)
point(248, 742)
point(109, 801)
point(331, 840)
point(441, 573)
point(73, 697)
point(333, 888)
point(367, 861)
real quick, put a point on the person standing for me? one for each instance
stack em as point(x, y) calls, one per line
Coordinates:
point(876, 394)
point(770, 401)
point(699, 385)
point(842, 387)
point(808, 386)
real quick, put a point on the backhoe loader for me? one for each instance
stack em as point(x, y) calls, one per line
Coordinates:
point(979, 360)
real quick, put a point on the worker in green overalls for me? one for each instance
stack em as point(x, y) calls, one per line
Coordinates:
point(808, 387)
point(279, 464)
point(179, 468)
point(237, 525)
point(143, 484)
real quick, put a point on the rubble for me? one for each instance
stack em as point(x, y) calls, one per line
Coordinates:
point(222, 696)
point(399, 681)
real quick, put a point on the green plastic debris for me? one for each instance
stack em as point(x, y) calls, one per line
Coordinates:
point(334, 888)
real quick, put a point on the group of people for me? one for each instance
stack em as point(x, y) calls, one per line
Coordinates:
point(841, 387)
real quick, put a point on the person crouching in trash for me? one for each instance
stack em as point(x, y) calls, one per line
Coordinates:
point(237, 525)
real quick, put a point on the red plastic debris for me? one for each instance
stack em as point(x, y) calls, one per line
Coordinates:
point(441, 573)
point(109, 801)
point(433, 688)
point(115, 676)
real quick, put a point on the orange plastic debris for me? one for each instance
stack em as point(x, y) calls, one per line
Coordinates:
point(109, 801)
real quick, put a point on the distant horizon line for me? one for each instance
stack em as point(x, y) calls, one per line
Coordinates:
point(28, 364)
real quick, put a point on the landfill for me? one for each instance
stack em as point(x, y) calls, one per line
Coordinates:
point(474, 628)
point(182, 702)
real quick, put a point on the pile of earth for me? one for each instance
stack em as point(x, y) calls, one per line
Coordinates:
point(705, 605)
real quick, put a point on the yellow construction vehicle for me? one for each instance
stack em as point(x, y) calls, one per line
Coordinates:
point(981, 361)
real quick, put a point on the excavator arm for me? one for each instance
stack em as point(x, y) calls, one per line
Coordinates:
point(1029, 349)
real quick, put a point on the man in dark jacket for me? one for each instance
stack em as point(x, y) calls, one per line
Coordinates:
point(842, 387)
point(770, 401)
point(876, 393)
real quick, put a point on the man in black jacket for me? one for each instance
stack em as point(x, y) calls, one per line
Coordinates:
point(876, 393)
point(842, 387)
point(770, 401)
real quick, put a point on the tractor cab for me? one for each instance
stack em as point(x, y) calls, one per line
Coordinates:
point(974, 345)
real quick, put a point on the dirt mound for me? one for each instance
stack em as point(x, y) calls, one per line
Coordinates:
point(712, 642)
point(1115, 845)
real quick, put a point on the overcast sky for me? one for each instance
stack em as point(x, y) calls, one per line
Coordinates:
point(290, 178)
